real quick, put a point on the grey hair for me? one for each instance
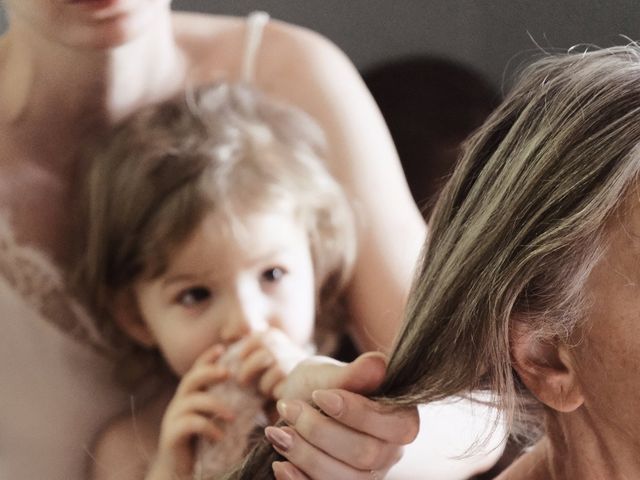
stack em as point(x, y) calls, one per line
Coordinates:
point(519, 228)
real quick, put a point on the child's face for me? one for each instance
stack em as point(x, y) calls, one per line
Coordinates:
point(219, 288)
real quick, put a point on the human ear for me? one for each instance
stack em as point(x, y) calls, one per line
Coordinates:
point(546, 368)
point(127, 316)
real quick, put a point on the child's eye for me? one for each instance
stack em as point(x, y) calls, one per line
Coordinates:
point(193, 296)
point(274, 274)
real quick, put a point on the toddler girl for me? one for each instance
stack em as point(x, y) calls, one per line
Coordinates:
point(209, 220)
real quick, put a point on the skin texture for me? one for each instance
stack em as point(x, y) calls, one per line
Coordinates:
point(590, 386)
point(62, 80)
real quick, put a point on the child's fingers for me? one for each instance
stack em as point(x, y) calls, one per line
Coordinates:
point(210, 355)
point(205, 404)
point(201, 377)
point(251, 344)
point(253, 365)
point(188, 426)
point(270, 340)
point(270, 380)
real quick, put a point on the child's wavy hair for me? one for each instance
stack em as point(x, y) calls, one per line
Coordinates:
point(515, 235)
point(224, 148)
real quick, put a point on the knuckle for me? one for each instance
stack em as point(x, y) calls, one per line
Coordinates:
point(411, 428)
point(368, 456)
point(308, 462)
point(195, 424)
point(396, 455)
point(306, 426)
point(409, 436)
point(264, 389)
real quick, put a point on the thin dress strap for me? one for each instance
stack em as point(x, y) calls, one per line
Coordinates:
point(256, 22)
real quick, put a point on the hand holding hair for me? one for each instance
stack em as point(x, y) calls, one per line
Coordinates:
point(349, 438)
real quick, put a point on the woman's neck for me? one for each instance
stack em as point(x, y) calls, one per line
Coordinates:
point(56, 95)
point(577, 445)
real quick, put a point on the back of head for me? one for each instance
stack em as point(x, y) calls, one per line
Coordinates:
point(520, 226)
point(224, 148)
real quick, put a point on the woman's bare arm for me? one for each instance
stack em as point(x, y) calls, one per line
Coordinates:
point(307, 70)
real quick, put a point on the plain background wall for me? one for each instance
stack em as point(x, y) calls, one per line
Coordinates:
point(492, 35)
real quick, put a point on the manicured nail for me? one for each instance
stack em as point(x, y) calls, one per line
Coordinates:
point(329, 402)
point(289, 410)
point(279, 438)
point(280, 471)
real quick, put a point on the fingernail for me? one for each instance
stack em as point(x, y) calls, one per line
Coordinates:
point(329, 402)
point(290, 411)
point(279, 438)
point(280, 471)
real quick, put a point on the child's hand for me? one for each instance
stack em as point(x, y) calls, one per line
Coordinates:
point(192, 412)
point(267, 359)
point(319, 372)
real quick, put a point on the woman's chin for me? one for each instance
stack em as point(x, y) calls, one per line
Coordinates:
point(106, 24)
point(95, 4)
point(104, 37)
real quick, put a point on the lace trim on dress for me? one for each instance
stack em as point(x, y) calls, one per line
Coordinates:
point(35, 277)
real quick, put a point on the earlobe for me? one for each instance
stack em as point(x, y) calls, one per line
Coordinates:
point(127, 316)
point(546, 369)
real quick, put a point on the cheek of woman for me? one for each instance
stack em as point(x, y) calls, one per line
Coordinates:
point(607, 349)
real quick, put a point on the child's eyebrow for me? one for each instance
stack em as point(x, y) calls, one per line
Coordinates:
point(269, 254)
point(184, 277)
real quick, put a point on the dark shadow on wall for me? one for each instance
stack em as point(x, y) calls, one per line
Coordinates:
point(431, 105)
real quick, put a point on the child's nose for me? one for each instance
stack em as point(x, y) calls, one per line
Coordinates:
point(244, 318)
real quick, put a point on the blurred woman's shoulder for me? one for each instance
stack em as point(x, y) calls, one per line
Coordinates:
point(203, 29)
point(215, 46)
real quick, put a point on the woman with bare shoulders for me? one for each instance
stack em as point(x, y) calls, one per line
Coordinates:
point(69, 70)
